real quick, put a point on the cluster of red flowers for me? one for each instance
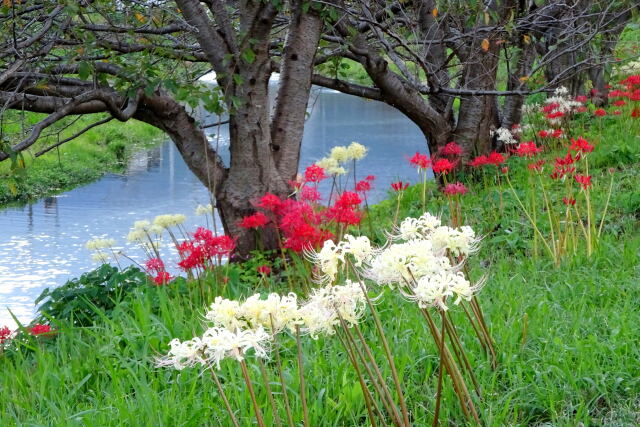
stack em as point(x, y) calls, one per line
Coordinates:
point(157, 273)
point(345, 209)
point(494, 158)
point(264, 270)
point(443, 166)
point(399, 186)
point(314, 173)
point(583, 180)
point(257, 220)
point(5, 334)
point(527, 149)
point(553, 133)
point(451, 149)
point(203, 249)
point(453, 189)
point(39, 329)
point(420, 161)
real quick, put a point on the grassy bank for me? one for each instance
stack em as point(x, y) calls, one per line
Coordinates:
point(102, 149)
point(566, 336)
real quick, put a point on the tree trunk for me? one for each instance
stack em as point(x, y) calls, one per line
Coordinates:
point(478, 115)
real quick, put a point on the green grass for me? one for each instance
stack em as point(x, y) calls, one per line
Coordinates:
point(85, 159)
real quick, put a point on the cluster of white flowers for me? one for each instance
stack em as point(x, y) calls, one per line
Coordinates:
point(166, 221)
point(331, 256)
point(421, 266)
point(238, 326)
point(505, 135)
point(563, 102)
point(532, 108)
point(97, 244)
point(276, 313)
point(204, 209)
point(628, 69)
point(322, 312)
point(340, 155)
point(215, 345)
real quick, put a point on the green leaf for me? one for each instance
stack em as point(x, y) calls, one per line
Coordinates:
point(248, 56)
point(84, 70)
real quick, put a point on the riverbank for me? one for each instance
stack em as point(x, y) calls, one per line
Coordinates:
point(564, 333)
point(103, 149)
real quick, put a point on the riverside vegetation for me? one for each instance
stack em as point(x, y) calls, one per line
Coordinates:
point(82, 160)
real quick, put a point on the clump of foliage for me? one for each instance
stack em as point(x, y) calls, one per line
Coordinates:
point(80, 300)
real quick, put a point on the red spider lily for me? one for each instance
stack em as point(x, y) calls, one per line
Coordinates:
point(363, 186)
point(631, 80)
point(420, 161)
point(495, 158)
point(581, 145)
point(543, 134)
point(154, 265)
point(617, 112)
point(343, 215)
point(635, 113)
point(451, 149)
point(504, 169)
point(399, 186)
point(443, 166)
point(582, 109)
point(557, 133)
point(5, 334)
point(348, 199)
point(619, 103)
point(370, 177)
point(264, 270)
point(256, 220)
point(162, 278)
point(555, 115)
point(583, 180)
point(314, 173)
point(569, 201)
point(581, 98)
point(454, 189)
point(479, 161)
point(310, 194)
point(40, 329)
point(301, 226)
point(204, 247)
point(559, 172)
point(527, 149)
point(536, 166)
point(270, 202)
point(550, 107)
point(600, 112)
point(567, 160)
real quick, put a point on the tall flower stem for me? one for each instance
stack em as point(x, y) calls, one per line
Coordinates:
point(303, 396)
point(247, 380)
point(283, 385)
point(606, 207)
point(436, 412)
point(385, 345)
point(224, 398)
point(424, 189)
point(459, 350)
point(272, 402)
point(475, 304)
point(365, 390)
point(381, 384)
point(459, 386)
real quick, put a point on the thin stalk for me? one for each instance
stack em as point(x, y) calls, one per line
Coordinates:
point(535, 227)
point(551, 224)
point(272, 402)
point(475, 304)
point(285, 395)
point(436, 413)
point(224, 398)
point(303, 396)
point(387, 351)
point(247, 380)
point(606, 206)
point(455, 341)
point(365, 390)
point(382, 388)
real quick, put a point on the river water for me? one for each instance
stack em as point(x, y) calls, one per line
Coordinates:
point(42, 244)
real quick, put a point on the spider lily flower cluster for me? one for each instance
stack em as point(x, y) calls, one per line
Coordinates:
point(238, 330)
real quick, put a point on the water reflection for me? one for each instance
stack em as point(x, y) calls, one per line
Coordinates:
point(42, 244)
